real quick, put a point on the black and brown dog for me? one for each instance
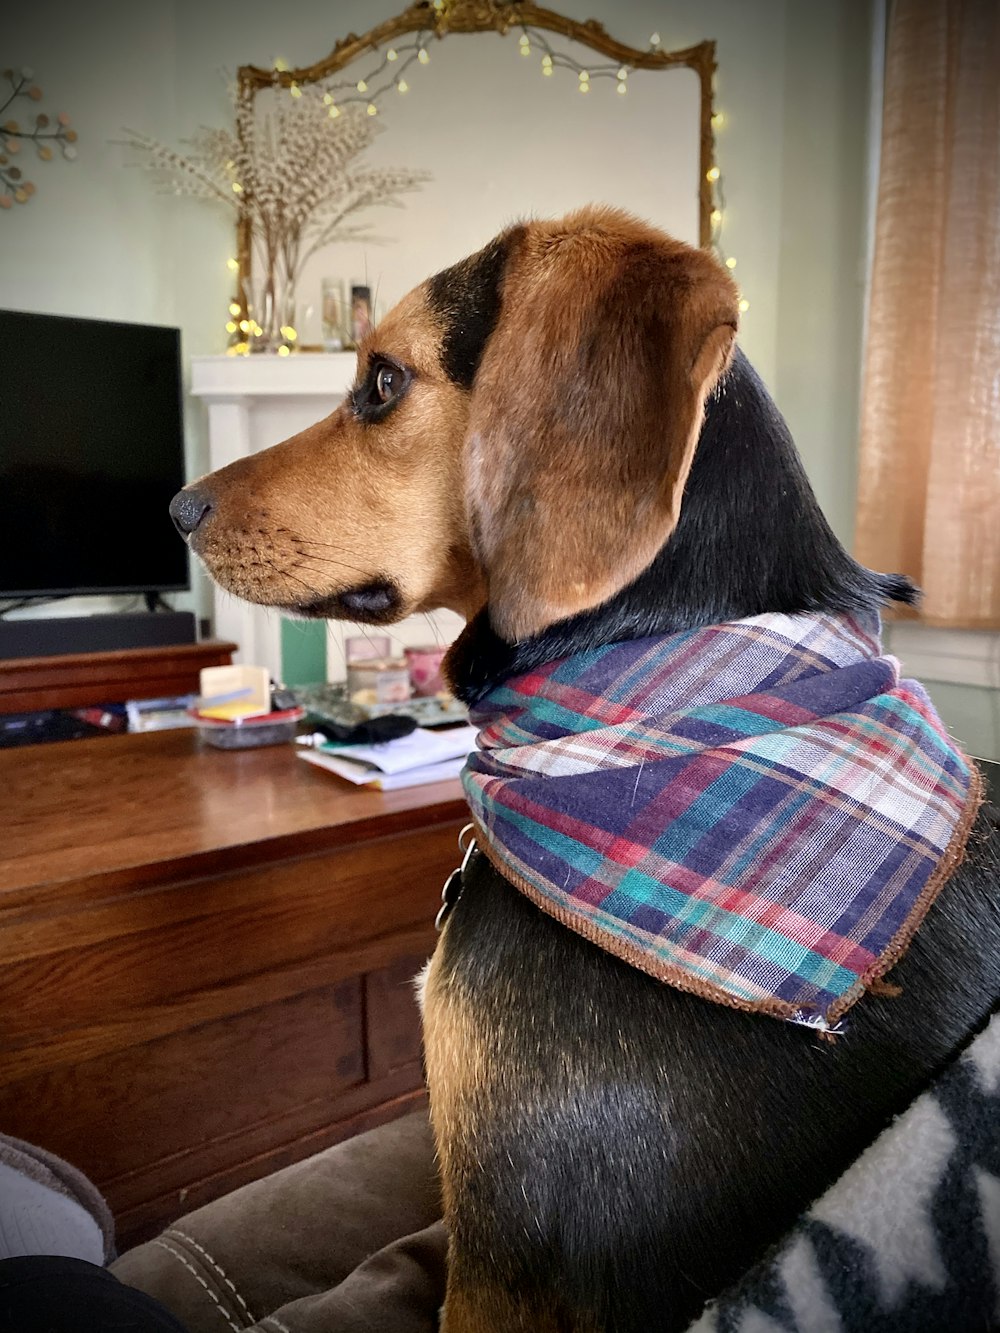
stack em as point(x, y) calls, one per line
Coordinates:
point(521, 433)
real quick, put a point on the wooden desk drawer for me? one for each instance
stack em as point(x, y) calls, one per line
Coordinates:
point(176, 1040)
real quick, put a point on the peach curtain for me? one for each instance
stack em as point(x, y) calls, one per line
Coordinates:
point(929, 486)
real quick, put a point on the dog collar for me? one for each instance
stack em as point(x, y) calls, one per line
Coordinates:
point(760, 812)
point(452, 888)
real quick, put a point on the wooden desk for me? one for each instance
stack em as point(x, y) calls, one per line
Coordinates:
point(206, 960)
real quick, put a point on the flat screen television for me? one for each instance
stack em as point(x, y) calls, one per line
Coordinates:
point(91, 452)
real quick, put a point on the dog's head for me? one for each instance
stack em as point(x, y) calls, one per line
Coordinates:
point(519, 433)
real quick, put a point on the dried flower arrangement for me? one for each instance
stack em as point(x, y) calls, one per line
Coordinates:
point(13, 187)
point(292, 170)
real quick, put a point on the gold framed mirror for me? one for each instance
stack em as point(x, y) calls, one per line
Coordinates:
point(411, 40)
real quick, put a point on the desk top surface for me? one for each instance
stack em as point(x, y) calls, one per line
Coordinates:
point(129, 809)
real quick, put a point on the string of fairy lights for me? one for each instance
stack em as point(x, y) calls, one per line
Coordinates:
point(395, 61)
point(533, 40)
point(388, 76)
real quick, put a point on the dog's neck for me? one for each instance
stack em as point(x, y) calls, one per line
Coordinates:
point(751, 539)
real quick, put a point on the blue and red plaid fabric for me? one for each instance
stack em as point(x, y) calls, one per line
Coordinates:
point(759, 811)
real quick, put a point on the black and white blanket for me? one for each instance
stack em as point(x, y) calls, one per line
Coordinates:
point(908, 1239)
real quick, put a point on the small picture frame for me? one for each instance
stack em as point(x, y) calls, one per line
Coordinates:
point(361, 313)
point(334, 315)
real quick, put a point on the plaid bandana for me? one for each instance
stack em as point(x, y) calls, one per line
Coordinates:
point(760, 812)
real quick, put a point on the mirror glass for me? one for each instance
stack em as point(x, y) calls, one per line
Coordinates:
point(502, 140)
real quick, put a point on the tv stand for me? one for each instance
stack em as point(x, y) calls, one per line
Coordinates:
point(79, 680)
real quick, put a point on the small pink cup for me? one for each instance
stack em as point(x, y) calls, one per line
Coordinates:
point(424, 666)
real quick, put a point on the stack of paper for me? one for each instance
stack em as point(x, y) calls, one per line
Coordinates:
point(423, 756)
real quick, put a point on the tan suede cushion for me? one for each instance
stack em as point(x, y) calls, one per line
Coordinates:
point(349, 1240)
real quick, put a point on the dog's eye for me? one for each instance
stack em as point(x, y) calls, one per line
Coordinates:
point(383, 386)
point(387, 383)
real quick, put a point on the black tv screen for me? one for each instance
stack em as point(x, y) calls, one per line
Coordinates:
point(91, 452)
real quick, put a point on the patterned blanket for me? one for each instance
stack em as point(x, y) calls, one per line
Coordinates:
point(760, 812)
point(908, 1240)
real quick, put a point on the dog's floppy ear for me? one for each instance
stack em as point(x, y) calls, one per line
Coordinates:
point(586, 408)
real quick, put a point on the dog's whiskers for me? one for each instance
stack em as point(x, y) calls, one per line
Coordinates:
point(435, 630)
point(363, 632)
point(314, 541)
point(287, 573)
point(353, 624)
point(329, 560)
point(309, 569)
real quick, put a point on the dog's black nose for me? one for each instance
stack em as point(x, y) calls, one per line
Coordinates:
point(188, 508)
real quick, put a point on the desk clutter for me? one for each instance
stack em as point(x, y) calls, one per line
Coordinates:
point(392, 724)
point(237, 707)
point(375, 678)
point(379, 685)
point(412, 760)
point(58, 724)
point(240, 709)
point(332, 703)
point(372, 731)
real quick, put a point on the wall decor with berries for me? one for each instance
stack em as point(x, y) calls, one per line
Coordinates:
point(25, 128)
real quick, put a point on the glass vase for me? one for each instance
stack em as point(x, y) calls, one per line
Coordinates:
point(271, 313)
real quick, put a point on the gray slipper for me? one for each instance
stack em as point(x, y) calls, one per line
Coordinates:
point(49, 1207)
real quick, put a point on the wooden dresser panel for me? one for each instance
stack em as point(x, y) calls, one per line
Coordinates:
point(176, 1037)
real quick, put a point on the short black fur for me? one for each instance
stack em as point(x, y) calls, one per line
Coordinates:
point(640, 1148)
point(467, 298)
point(751, 538)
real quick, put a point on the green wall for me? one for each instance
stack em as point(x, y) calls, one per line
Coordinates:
point(303, 651)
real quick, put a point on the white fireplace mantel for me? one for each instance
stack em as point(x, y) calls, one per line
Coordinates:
point(252, 403)
point(316, 375)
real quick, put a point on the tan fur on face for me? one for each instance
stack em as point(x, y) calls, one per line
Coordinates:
point(545, 489)
point(344, 502)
